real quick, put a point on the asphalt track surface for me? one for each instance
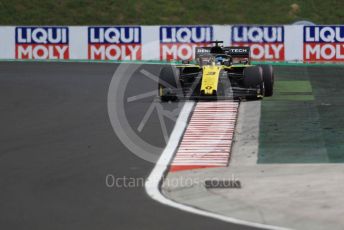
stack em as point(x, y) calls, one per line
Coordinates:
point(57, 146)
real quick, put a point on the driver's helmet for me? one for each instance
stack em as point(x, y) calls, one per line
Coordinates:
point(219, 60)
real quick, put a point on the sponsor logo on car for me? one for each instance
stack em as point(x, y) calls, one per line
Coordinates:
point(114, 43)
point(265, 42)
point(42, 43)
point(239, 50)
point(201, 50)
point(323, 43)
point(179, 42)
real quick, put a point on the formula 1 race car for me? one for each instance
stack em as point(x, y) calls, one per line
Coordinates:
point(218, 72)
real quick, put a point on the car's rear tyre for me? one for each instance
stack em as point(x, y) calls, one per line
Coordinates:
point(168, 84)
point(253, 76)
point(268, 78)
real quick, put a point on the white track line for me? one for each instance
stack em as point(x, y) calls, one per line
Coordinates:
point(154, 180)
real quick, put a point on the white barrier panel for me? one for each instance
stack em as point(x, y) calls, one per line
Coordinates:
point(77, 42)
point(267, 42)
point(293, 40)
point(7, 42)
point(150, 41)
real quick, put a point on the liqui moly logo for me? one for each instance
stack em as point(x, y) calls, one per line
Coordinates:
point(42, 42)
point(323, 43)
point(265, 42)
point(114, 43)
point(179, 42)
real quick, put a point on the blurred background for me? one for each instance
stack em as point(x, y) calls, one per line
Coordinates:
point(147, 12)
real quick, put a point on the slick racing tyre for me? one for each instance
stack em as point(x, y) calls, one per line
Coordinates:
point(268, 78)
point(253, 76)
point(168, 84)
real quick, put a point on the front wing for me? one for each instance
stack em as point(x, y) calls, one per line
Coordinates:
point(236, 93)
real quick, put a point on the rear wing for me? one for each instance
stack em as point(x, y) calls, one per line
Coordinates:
point(200, 51)
point(240, 51)
point(236, 52)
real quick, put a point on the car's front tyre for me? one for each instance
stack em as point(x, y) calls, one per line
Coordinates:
point(168, 84)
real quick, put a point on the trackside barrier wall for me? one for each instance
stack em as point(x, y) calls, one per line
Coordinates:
point(267, 42)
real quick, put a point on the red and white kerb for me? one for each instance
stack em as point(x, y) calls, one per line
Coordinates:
point(208, 138)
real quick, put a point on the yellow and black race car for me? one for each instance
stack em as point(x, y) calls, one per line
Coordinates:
point(218, 72)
